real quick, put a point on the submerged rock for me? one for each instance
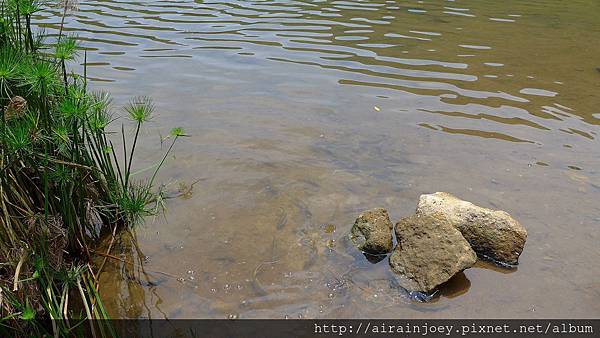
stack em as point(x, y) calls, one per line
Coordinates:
point(372, 232)
point(430, 251)
point(493, 234)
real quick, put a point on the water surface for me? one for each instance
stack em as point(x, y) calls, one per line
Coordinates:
point(304, 113)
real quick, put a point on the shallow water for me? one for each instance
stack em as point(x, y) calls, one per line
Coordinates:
point(304, 113)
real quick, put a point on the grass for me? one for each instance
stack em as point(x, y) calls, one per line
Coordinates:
point(62, 182)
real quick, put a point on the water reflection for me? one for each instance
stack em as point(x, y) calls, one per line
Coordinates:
point(122, 267)
point(334, 35)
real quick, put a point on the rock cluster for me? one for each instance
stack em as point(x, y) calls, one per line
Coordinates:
point(444, 237)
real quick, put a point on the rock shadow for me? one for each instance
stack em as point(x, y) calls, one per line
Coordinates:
point(456, 286)
point(374, 259)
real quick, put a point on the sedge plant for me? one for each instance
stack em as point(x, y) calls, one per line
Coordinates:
point(62, 181)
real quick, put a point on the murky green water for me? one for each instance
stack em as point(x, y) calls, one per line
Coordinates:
point(304, 113)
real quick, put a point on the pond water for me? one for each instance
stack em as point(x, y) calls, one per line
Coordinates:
point(302, 114)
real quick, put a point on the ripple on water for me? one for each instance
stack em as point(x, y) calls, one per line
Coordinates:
point(304, 113)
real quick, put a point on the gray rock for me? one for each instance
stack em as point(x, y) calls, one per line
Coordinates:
point(372, 232)
point(430, 251)
point(492, 234)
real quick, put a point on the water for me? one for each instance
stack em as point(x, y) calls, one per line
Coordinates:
point(304, 113)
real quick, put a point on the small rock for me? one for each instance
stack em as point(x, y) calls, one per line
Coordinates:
point(430, 251)
point(372, 232)
point(493, 234)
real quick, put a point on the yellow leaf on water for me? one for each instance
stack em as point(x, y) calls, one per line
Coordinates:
point(376, 108)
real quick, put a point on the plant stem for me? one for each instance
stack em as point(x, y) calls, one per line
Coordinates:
point(128, 172)
point(162, 161)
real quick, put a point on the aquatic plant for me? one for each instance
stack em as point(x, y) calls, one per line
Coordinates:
point(63, 184)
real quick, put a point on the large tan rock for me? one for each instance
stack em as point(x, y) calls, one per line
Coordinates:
point(492, 234)
point(372, 232)
point(430, 251)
